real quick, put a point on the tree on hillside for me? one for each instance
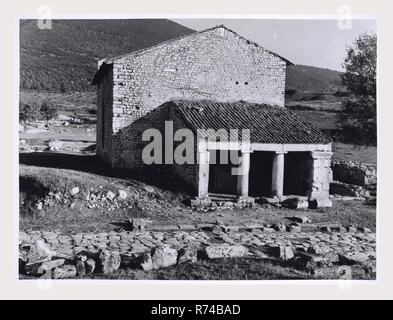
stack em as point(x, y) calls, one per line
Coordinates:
point(48, 110)
point(29, 112)
point(357, 118)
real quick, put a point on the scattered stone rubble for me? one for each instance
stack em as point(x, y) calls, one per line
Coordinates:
point(48, 254)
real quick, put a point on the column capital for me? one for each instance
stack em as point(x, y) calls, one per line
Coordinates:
point(280, 152)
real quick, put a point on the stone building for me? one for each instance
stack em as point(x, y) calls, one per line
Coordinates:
point(213, 79)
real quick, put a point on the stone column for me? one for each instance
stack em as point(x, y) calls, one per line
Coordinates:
point(203, 181)
point(278, 174)
point(243, 174)
point(320, 178)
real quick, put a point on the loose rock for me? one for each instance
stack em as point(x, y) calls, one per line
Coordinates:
point(74, 191)
point(122, 195)
point(224, 251)
point(39, 252)
point(282, 252)
point(163, 257)
point(64, 272)
point(108, 261)
point(187, 255)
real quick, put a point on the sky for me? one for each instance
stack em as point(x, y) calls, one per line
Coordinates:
point(318, 43)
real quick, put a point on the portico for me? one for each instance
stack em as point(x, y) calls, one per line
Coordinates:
point(316, 163)
point(275, 153)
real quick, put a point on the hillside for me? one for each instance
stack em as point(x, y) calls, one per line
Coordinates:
point(312, 79)
point(65, 57)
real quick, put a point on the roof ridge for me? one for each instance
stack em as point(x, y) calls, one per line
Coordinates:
point(111, 59)
point(164, 42)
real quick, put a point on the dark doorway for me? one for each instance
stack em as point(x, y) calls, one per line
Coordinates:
point(221, 179)
point(297, 173)
point(260, 176)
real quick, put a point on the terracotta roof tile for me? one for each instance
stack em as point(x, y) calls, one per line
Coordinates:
point(267, 123)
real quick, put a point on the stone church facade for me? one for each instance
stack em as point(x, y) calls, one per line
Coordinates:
point(220, 69)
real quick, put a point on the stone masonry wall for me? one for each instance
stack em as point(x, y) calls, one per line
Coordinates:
point(129, 143)
point(353, 172)
point(215, 65)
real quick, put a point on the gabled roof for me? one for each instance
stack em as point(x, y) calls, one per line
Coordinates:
point(267, 123)
point(109, 60)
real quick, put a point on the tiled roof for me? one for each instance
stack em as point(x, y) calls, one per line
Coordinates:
point(267, 123)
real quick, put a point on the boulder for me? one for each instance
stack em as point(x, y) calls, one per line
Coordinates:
point(74, 191)
point(217, 229)
point(122, 195)
point(223, 251)
point(163, 256)
point(141, 261)
point(110, 195)
point(108, 261)
point(39, 252)
point(281, 252)
point(40, 268)
point(187, 255)
point(320, 203)
point(295, 203)
point(315, 249)
point(64, 272)
point(353, 258)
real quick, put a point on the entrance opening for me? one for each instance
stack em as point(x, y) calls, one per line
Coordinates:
point(221, 179)
point(297, 173)
point(260, 176)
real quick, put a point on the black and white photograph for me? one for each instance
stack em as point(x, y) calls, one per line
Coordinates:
point(197, 149)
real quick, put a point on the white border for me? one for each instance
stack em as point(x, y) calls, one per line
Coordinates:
point(342, 284)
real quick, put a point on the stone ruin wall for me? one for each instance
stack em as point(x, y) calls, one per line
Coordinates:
point(356, 173)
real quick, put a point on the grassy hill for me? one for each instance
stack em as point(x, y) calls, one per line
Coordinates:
point(65, 57)
point(312, 79)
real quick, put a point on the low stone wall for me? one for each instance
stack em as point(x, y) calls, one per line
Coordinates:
point(353, 172)
point(346, 189)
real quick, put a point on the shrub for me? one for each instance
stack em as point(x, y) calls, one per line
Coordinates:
point(29, 111)
point(47, 110)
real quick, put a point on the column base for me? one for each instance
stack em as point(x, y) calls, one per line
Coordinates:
point(245, 201)
point(201, 203)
